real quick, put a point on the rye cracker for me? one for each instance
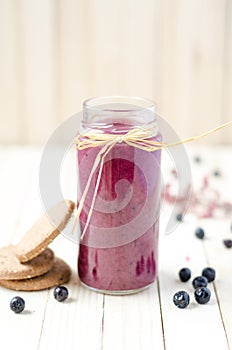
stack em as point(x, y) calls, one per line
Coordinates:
point(44, 231)
point(59, 274)
point(12, 268)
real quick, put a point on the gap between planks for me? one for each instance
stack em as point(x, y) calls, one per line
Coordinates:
point(161, 314)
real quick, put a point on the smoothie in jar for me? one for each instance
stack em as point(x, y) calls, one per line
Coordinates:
point(119, 251)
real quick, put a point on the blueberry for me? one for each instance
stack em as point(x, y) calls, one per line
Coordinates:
point(209, 273)
point(181, 299)
point(197, 159)
point(185, 274)
point(216, 173)
point(179, 217)
point(227, 243)
point(60, 293)
point(200, 281)
point(202, 295)
point(17, 304)
point(200, 233)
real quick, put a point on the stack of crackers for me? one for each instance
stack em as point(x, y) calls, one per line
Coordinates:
point(30, 265)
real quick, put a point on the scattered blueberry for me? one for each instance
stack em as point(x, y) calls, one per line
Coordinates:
point(209, 273)
point(60, 293)
point(181, 299)
point(200, 233)
point(197, 159)
point(185, 274)
point(200, 281)
point(17, 304)
point(202, 295)
point(179, 217)
point(216, 173)
point(227, 243)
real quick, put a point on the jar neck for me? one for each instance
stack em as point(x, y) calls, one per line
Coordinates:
point(118, 113)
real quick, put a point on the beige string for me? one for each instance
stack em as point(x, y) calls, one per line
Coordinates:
point(138, 138)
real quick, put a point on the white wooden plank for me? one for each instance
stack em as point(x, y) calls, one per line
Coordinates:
point(197, 323)
point(15, 179)
point(227, 84)
point(10, 73)
point(37, 22)
point(73, 69)
point(31, 207)
point(193, 60)
point(133, 321)
point(46, 331)
point(15, 176)
point(157, 53)
point(55, 54)
point(139, 44)
point(217, 230)
point(181, 249)
point(76, 323)
point(220, 258)
point(122, 56)
point(105, 47)
point(26, 327)
point(130, 321)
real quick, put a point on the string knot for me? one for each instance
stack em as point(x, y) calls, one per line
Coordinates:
point(119, 139)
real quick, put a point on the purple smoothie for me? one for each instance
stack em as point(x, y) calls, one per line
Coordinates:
point(120, 247)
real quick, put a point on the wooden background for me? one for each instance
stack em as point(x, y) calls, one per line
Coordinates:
point(56, 53)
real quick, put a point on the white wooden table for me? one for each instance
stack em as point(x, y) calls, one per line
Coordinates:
point(88, 320)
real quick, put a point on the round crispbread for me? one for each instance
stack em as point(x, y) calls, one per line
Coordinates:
point(59, 274)
point(12, 268)
point(44, 231)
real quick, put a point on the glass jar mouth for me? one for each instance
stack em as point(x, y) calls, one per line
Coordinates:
point(100, 111)
point(137, 103)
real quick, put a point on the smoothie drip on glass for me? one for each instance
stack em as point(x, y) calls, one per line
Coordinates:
point(118, 253)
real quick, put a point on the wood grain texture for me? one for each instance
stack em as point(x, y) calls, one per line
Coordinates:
point(145, 320)
point(227, 81)
point(10, 74)
point(17, 173)
point(38, 35)
point(191, 326)
point(133, 321)
point(55, 54)
point(193, 58)
point(73, 59)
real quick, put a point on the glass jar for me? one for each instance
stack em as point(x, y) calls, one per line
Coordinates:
point(118, 252)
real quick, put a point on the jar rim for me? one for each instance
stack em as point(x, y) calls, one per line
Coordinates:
point(103, 112)
point(96, 103)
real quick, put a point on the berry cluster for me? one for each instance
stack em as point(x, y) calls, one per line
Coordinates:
point(201, 294)
point(17, 304)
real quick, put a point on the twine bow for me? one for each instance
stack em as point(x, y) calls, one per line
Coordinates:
point(138, 137)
